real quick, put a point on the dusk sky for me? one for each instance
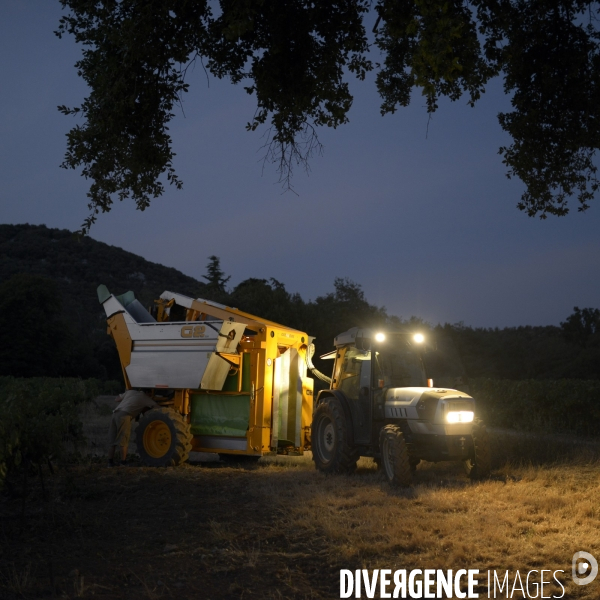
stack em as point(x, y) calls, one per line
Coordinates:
point(428, 225)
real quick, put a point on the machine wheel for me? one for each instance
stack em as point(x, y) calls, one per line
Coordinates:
point(479, 465)
point(394, 456)
point(163, 438)
point(331, 449)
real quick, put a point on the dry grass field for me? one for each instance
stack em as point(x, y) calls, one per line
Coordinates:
point(281, 530)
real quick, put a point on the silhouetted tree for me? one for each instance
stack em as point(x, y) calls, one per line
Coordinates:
point(269, 299)
point(214, 275)
point(582, 327)
point(340, 310)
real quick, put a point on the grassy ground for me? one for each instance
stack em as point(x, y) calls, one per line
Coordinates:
point(281, 530)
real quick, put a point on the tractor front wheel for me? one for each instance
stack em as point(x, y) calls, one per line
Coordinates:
point(479, 464)
point(163, 438)
point(331, 447)
point(394, 456)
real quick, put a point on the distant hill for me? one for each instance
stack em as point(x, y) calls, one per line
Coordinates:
point(78, 265)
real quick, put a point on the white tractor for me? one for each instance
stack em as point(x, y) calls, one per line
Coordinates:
point(379, 404)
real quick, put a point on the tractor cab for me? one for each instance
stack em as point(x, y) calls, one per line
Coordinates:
point(378, 360)
point(367, 364)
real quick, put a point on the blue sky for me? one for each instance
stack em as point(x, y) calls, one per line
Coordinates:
point(426, 223)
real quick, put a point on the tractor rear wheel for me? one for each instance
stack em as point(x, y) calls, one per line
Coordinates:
point(163, 438)
point(331, 448)
point(479, 464)
point(394, 456)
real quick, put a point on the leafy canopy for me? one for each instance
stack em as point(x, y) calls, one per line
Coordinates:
point(295, 56)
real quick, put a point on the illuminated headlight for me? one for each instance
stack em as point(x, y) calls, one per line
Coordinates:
point(379, 337)
point(460, 416)
point(419, 338)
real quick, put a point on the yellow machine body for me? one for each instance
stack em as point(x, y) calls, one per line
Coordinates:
point(238, 380)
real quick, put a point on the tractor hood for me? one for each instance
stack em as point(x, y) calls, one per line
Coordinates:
point(423, 403)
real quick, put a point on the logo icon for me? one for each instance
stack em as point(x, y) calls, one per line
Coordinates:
point(584, 562)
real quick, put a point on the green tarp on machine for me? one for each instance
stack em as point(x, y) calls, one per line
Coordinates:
point(220, 414)
point(214, 414)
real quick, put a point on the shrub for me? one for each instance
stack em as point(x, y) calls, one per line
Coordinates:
point(107, 388)
point(561, 406)
point(37, 417)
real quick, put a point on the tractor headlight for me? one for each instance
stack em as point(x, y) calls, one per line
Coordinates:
point(419, 338)
point(460, 416)
point(380, 337)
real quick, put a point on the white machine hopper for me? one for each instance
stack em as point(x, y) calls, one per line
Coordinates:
point(173, 354)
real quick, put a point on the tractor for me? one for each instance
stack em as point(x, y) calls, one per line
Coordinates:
point(381, 404)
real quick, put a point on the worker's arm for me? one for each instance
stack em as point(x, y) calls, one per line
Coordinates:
point(145, 410)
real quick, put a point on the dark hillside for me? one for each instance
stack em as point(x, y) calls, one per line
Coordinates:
point(78, 265)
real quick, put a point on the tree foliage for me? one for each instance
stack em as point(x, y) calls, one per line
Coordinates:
point(340, 310)
point(295, 57)
point(582, 327)
point(130, 57)
point(214, 274)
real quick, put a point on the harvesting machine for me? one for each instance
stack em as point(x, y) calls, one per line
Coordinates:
point(227, 381)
